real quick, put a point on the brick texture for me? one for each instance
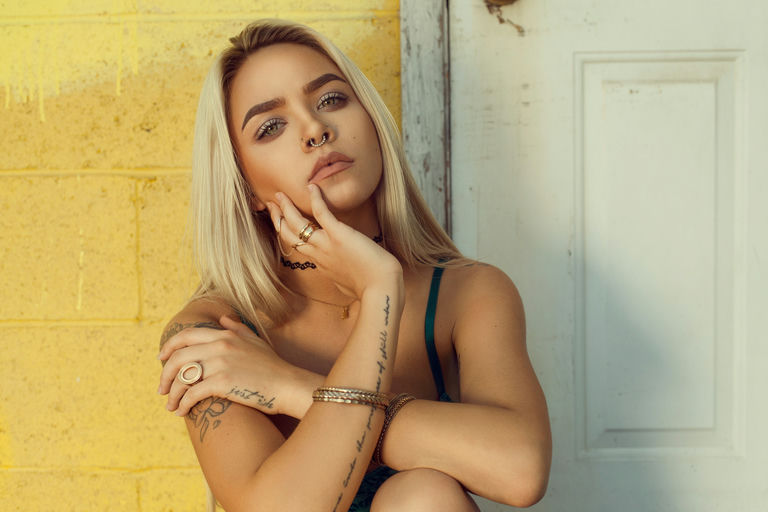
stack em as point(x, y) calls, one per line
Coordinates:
point(98, 102)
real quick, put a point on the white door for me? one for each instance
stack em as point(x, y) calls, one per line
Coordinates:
point(613, 160)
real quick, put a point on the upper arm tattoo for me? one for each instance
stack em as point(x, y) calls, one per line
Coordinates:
point(205, 414)
point(177, 327)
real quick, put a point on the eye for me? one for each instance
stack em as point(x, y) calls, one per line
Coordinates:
point(269, 128)
point(331, 99)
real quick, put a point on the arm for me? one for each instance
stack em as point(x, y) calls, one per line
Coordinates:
point(251, 467)
point(497, 441)
point(247, 462)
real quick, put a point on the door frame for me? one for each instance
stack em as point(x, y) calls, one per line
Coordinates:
point(425, 92)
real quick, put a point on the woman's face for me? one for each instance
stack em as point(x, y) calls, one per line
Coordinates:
point(286, 96)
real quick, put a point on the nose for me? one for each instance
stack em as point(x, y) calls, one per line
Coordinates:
point(316, 135)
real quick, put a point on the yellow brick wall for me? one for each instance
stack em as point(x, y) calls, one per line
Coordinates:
point(97, 102)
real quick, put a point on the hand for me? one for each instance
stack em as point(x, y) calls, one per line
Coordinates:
point(237, 365)
point(351, 259)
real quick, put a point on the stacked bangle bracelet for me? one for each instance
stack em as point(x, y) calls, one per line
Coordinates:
point(393, 408)
point(350, 396)
point(362, 397)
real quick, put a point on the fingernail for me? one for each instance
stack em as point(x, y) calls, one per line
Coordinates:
point(159, 389)
point(279, 196)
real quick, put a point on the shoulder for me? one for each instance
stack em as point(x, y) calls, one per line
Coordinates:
point(479, 294)
point(479, 283)
point(199, 312)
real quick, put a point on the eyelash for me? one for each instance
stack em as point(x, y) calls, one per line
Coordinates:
point(262, 132)
point(339, 97)
point(330, 99)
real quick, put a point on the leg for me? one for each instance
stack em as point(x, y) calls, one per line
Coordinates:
point(422, 490)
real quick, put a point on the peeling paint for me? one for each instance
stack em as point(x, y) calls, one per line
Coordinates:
point(494, 7)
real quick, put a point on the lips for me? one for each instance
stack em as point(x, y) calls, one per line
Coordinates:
point(329, 165)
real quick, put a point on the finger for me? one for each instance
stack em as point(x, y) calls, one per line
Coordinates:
point(294, 220)
point(178, 389)
point(276, 215)
point(320, 209)
point(201, 332)
point(239, 328)
point(181, 357)
point(175, 393)
point(195, 394)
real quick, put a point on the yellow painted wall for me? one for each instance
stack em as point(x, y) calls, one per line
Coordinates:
point(97, 102)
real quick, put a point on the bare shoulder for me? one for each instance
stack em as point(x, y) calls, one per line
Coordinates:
point(202, 312)
point(485, 308)
point(479, 286)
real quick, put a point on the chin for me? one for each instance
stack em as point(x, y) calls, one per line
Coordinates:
point(347, 196)
point(344, 202)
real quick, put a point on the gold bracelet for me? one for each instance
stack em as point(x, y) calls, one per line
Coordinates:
point(393, 408)
point(350, 396)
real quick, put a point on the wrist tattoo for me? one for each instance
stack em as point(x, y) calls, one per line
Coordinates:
point(256, 396)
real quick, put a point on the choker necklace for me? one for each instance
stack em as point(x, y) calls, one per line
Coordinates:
point(295, 265)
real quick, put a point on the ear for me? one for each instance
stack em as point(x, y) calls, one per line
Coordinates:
point(256, 204)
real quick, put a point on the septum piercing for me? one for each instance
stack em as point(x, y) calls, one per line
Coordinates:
point(312, 141)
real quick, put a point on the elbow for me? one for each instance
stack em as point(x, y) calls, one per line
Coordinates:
point(527, 481)
point(528, 493)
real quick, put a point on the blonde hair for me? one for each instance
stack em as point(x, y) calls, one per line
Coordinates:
point(235, 249)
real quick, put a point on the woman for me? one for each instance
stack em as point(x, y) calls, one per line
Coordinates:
point(317, 320)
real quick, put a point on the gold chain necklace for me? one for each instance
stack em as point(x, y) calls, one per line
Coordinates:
point(344, 309)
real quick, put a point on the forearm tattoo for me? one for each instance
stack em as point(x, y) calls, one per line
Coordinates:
point(254, 396)
point(381, 363)
point(205, 414)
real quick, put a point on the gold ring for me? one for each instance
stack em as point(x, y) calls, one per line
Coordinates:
point(298, 244)
point(196, 376)
point(307, 231)
point(279, 243)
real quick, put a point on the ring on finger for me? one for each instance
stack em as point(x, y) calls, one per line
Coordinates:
point(279, 243)
point(307, 231)
point(190, 373)
point(298, 244)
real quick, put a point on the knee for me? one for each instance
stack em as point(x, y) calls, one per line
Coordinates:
point(420, 490)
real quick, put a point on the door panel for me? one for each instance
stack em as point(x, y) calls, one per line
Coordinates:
point(612, 161)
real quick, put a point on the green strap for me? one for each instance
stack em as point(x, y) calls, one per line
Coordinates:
point(429, 334)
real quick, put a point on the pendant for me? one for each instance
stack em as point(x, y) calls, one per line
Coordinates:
point(344, 312)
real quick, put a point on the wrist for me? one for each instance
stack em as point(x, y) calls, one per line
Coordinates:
point(298, 395)
point(395, 405)
point(386, 285)
point(384, 274)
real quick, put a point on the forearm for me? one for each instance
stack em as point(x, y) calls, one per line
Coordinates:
point(328, 453)
point(495, 452)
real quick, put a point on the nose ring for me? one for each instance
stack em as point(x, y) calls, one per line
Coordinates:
point(317, 145)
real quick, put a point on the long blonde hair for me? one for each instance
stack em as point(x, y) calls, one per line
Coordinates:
point(235, 249)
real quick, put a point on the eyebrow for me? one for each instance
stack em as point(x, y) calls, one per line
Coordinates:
point(279, 102)
point(321, 81)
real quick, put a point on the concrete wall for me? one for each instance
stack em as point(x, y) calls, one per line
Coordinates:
point(97, 102)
